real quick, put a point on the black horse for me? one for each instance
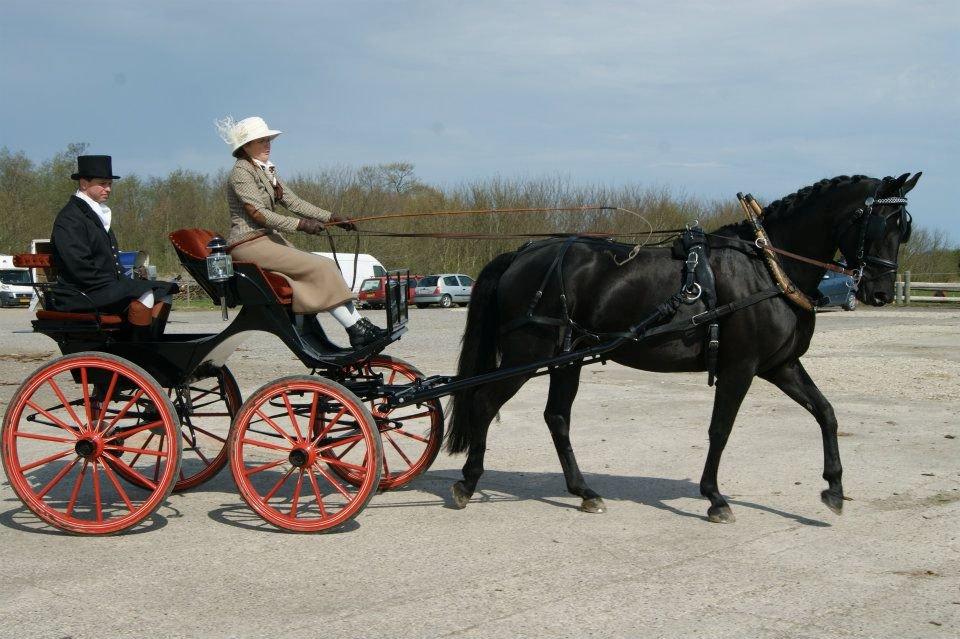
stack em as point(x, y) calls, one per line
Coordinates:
point(865, 218)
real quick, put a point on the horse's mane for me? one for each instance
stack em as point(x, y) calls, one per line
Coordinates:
point(785, 206)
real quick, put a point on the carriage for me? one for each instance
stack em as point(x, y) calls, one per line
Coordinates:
point(94, 441)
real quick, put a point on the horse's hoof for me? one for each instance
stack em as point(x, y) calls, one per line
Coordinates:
point(720, 515)
point(593, 505)
point(460, 495)
point(833, 501)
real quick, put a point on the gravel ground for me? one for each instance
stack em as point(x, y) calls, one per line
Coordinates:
point(521, 560)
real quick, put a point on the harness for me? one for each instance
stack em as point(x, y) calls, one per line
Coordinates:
point(698, 283)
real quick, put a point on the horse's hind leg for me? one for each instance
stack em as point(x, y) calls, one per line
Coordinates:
point(487, 401)
point(794, 381)
point(563, 390)
point(732, 387)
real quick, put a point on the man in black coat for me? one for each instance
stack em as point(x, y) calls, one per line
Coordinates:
point(87, 259)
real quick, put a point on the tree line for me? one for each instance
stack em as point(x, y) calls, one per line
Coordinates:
point(147, 209)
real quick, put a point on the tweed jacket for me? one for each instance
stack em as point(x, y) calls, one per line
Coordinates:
point(253, 204)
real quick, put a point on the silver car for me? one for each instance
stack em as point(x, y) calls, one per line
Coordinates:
point(445, 289)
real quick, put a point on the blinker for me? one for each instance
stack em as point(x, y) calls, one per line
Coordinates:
point(876, 225)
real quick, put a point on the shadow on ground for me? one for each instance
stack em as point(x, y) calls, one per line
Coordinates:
point(432, 489)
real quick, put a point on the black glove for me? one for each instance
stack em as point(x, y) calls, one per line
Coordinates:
point(346, 226)
point(311, 226)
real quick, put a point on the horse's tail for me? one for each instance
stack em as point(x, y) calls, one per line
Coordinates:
point(479, 351)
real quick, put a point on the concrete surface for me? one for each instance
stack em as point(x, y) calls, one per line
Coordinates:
point(521, 560)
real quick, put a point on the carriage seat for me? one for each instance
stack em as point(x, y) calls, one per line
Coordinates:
point(45, 261)
point(193, 244)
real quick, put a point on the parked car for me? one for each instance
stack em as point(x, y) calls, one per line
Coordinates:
point(445, 289)
point(373, 291)
point(838, 289)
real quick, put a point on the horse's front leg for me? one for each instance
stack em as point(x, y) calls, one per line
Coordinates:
point(794, 381)
point(732, 387)
point(563, 390)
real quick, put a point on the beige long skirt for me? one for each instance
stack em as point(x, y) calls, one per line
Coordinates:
point(317, 283)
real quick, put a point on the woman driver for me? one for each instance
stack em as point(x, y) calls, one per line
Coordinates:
point(253, 191)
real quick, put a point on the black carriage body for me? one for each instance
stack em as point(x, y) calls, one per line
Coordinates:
point(179, 358)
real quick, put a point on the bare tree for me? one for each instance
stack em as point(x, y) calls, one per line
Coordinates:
point(398, 176)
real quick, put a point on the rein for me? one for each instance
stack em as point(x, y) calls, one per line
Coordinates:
point(394, 216)
point(493, 236)
point(830, 266)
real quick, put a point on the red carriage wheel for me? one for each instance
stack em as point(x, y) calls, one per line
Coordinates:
point(410, 435)
point(206, 408)
point(80, 425)
point(283, 442)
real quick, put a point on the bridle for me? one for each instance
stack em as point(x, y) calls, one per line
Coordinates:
point(872, 226)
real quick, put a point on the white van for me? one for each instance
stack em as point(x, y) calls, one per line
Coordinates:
point(14, 290)
point(367, 266)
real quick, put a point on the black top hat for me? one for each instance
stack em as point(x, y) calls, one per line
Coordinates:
point(94, 166)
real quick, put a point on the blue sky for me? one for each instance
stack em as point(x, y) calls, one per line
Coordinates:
point(707, 98)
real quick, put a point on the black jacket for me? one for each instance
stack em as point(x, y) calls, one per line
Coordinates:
point(87, 258)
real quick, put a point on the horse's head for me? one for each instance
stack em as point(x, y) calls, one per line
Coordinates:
point(871, 237)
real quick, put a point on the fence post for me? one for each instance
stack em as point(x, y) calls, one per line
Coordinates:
point(906, 288)
point(898, 292)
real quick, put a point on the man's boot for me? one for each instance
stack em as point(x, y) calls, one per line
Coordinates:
point(140, 318)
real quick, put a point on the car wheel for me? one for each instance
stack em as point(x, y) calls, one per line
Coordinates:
point(446, 301)
point(851, 302)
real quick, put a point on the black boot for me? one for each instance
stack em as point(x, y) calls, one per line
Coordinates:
point(364, 333)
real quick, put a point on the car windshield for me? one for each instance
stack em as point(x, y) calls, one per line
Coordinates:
point(370, 285)
point(14, 277)
point(430, 280)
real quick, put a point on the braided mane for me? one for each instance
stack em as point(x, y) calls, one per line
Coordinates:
point(782, 208)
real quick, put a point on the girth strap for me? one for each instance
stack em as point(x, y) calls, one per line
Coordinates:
point(708, 317)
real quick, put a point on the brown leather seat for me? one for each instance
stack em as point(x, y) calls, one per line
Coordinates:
point(281, 287)
point(59, 316)
point(32, 260)
point(193, 242)
point(44, 261)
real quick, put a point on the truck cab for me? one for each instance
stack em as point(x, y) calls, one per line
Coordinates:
point(15, 289)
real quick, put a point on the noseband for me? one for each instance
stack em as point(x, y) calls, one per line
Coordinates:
point(872, 225)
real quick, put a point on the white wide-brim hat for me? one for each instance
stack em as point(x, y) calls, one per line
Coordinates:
point(236, 134)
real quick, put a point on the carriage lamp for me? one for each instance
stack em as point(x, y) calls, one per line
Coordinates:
point(219, 269)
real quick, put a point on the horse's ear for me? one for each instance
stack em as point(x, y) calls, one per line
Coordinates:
point(900, 180)
point(909, 184)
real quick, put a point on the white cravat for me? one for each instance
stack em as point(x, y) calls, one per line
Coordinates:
point(102, 210)
point(269, 168)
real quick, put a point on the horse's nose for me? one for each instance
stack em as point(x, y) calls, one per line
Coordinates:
point(880, 299)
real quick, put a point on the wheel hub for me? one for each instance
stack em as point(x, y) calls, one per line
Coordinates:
point(89, 448)
point(301, 457)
